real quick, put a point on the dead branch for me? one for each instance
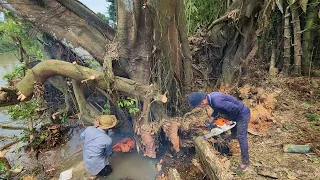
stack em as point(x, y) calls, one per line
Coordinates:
point(8, 145)
point(7, 126)
point(6, 136)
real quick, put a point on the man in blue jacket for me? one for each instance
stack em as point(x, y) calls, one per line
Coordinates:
point(97, 145)
point(234, 110)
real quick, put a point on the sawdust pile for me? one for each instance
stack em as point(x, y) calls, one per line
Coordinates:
point(262, 103)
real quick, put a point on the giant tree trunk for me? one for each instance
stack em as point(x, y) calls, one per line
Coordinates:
point(154, 49)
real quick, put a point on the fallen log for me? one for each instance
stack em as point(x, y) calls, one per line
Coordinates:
point(7, 126)
point(3, 136)
point(210, 160)
point(8, 145)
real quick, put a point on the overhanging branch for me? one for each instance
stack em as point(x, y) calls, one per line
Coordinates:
point(41, 72)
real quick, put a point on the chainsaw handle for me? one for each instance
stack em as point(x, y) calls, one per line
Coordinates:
point(233, 124)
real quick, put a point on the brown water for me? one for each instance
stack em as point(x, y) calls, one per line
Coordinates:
point(8, 61)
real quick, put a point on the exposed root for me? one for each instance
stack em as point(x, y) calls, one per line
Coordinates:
point(148, 141)
point(171, 131)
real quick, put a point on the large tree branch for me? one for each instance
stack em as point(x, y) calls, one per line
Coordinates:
point(71, 29)
point(41, 72)
point(85, 13)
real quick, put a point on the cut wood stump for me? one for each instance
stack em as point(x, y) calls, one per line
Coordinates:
point(4, 161)
point(210, 160)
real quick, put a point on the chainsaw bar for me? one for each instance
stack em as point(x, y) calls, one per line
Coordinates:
point(219, 130)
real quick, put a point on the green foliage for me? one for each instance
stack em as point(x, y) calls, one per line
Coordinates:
point(112, 12)
point(2, 166)
point(203, 12)
point(93, 64)
point(104, 17)
point(287, 126)
point(64, 116)
point(130, 104)
point(18, 72)
point(312, 117)
point(106, 109)
point(22, 32)
point(7, 44)
point(24, 110)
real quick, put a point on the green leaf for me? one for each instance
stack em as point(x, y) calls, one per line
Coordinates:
point(280, 5)
point(303, 4)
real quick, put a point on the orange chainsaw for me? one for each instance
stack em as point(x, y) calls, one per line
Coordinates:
point(220, 127)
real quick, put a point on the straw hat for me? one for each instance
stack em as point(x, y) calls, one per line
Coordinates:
point(107, 121)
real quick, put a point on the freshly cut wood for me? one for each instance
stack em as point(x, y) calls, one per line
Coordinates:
point(173, 174)
point(293, 148)
point(4, 161)
point(210, 160)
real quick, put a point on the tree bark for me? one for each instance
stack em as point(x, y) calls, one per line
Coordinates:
point(92, 18)
point(8, 96)
point(185, 49)
point(48, 68)
point(297, 38)
point(87, 112)
point(287, 43)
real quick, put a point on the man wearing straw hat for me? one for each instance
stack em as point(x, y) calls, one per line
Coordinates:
point(97, 145)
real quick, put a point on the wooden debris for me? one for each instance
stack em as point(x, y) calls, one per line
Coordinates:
point(173, 174)
point(7, 126)
point(292, 148)
point(4, 161)
point(267, 173)
point(3, 136)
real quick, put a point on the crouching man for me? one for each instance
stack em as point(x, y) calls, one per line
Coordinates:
point(97, 145)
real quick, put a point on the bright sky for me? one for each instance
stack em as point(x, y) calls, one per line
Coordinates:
point(96, 5)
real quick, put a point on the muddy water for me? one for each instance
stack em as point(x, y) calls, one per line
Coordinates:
point(8, 61)
point(131, 166)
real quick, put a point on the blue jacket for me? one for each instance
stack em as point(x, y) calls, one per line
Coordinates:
point(97, 146)
point(227, 105)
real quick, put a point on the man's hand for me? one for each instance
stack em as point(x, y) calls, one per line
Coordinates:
point(212, 120)
point(229, 122)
